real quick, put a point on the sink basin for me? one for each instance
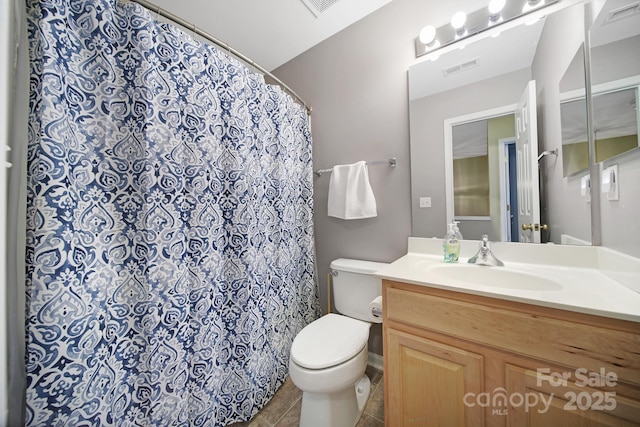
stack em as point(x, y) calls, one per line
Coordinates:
point(495, 277)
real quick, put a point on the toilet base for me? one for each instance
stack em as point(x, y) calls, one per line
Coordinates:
point(342, 408)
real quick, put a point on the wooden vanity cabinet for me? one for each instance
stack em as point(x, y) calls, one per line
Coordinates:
point(454, 359)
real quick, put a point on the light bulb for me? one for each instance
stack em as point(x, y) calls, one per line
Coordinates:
point(496, 6)
point(428, 35)
point(532, 4)
point(495, 11)
point(458, 20)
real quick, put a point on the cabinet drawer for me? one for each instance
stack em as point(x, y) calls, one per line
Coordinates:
point(567, 404)
point(524, 333)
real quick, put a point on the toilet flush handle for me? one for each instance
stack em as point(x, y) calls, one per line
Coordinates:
point(334, 273)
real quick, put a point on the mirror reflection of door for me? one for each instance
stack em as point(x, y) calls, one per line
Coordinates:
point(484, 177)
point(527, 157)
point(495, 175)
point(471, 189)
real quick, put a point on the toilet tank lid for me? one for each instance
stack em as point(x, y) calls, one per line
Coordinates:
point(357, 266)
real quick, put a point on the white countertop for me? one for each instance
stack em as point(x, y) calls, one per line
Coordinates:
point(582, 286)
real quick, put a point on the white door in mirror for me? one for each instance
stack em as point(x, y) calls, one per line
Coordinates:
point(527, 165)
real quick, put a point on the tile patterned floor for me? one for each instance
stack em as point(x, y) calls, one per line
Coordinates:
point(284, 408)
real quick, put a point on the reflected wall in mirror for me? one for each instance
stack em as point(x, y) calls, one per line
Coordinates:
point(615, 128)
point(615, 77)
point(573, 117)
point(575, 138)
point(495, 73)
point(615, 118)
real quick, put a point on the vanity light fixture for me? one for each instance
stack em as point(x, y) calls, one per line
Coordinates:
point(498, 16)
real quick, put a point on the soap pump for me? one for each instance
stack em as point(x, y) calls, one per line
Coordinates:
point(457, 230)
point(451, 243)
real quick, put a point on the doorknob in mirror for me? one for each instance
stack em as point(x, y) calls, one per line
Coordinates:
point(531, 227)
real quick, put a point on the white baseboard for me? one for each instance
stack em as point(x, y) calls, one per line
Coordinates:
point(376, 361)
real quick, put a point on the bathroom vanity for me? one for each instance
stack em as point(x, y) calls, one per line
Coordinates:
point(497, 351)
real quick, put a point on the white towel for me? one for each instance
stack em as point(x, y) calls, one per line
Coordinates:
point(350, 194)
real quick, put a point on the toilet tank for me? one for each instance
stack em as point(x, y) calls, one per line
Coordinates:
point(355, 286)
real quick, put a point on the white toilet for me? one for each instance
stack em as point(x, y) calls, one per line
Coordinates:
point(329, 356)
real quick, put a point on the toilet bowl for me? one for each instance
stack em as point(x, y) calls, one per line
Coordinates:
point(329, 356)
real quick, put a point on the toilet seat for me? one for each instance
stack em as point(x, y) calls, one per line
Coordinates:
point(329, 341)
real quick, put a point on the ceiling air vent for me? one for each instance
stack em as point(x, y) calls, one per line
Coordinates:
point(460, 67)
point(319, 6)
point(623, 12)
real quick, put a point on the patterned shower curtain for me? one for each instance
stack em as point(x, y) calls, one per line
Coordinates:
point(169, 230)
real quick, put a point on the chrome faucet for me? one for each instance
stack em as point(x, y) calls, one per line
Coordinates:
point(484, 255)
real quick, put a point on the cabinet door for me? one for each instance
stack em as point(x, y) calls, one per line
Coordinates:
point(535, 399)
point(427, 382)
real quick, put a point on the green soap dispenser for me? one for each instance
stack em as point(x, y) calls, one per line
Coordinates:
point(451, 243)
point(458, 233)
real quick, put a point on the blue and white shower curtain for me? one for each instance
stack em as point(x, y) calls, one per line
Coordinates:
point(169, 230)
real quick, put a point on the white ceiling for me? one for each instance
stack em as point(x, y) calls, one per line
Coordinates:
point(270, 32)
point(608, 32)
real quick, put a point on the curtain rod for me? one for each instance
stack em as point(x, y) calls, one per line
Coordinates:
point(192, 27)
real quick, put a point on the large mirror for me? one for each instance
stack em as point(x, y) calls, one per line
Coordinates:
point(615, 39)
point(615, 130)
point(615, 76)
point(482, 87)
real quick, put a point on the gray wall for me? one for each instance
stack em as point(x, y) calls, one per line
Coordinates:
point(562, 208)
point(356, 82)
point(621, 218)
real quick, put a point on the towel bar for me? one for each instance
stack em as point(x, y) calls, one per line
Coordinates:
point(391, 162)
